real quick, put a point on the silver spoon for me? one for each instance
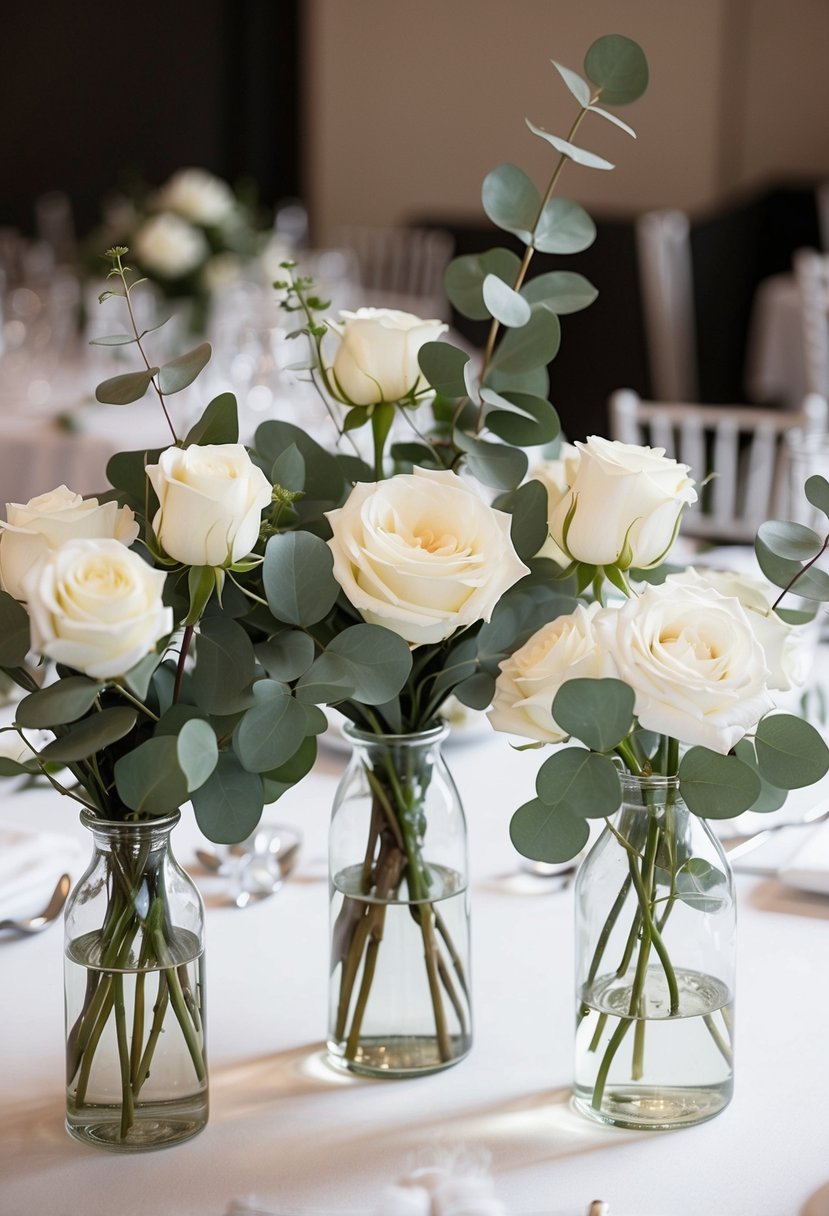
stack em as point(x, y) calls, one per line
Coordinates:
point(738, 846)
point(34, 924)
point(286, 856)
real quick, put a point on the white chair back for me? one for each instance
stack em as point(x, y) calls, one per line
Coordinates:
point(742, 446)
point(666, 276)
point(402, 267)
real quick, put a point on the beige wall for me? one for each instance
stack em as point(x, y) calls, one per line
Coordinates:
point(411, 102)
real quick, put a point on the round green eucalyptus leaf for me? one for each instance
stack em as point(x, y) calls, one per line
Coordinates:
point(511, 200)
point(218, 424)
point(580, 782)
point(149, 779)
point(125, 471)
point(817, 493)
point(298, 577)
point(504, 303)
point(476, 691)
point(366, 662)
point(527, 507)
point(563, 227)
point(771, 797)
point(702, 886)
point(229, 804)
point(531, 423)
point(124, 389)
point(598, 712)
point(60, 703)
point(550, 834)
point(533, 345)
point(197, 752)
point(286, 655)
point(91, 734)
point(443, 366)
point(464, 278)
point(618, 67)
point(563, 291)
point(224, 667)
point(289, 469)
point(812, 584)
point(497, 465)
point(790, 540)
point(715, 786)
point(280, 780)
point(324, 481)
point(14, 632)
point(536, 381)
point(790, 752)
point(269, 732)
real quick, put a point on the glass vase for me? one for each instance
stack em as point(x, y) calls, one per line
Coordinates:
point(136, 1075)
point(655, 960)
point(399, 985)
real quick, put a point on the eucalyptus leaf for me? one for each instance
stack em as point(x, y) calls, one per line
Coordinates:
point(229, 804)
point(562, 291)
point(617, 65)
point(91, 734)
point(113, 340)
point(224, 667)
point(58, 704)
point(527, 422)
point(505, 304)
point(271, 730)
point(139, 677)
point(14, 632)
point(289, 469)
point(563, 227)
point(126, 388)
point(182, 371)
point(281, 779)
point(495, 464)
point(464, 278)
point(528, 526)
point(809, 583)
point(476, 691)
point(793, 541)
point(126, 472)
point(149, 779)
point(298, 578)
point(598, 712)
point(715, 786)
point(790, 752)
point(443, 366)
point(702, 886)
point(533, 345)
point(544, 833)
point(286, 655)
point(771, 797)
point(817, 493)
point(615, 119)
point(218, 424)
point(581, 782)
point(324, 480)
point(579, 156)
point(371, 662)
point(511, 200)
point(578, 87)
point(197, 752)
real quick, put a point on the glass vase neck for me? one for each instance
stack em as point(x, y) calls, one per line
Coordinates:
point(367, 739)
point(109, 832)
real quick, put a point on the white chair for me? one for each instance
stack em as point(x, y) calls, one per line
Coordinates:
point(402, 267)
point(666, 276)
point(742, 446)
point(811, 272)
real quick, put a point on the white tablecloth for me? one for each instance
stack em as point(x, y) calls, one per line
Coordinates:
point(302, 1138)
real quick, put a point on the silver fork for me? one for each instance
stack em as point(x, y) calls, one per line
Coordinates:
point(42, 920)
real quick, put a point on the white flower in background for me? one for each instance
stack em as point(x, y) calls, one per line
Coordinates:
point(376, 359)
point(563, 649)
point(556, 476)
point(422, 554)
point(211, 500)
point(169, 247)
point(625, 503)
point(221, 272)
point(198, 196)
point(97, 607)
point(36, 528)
point(787, 648)
point(692, 659)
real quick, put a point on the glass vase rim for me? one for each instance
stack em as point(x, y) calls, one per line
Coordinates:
point(430, 734)
point(650, 781)
point(112, 827)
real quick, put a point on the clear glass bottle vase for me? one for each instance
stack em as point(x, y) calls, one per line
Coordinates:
point(399, 985)
point(136, 1072)
point(655, 961)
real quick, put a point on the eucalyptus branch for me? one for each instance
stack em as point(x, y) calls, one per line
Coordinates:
point(807, 566)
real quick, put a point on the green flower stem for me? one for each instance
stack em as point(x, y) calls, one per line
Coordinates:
point(119, 270)
point(369, 967)
point(127, 1107)
point(162, 1000)
point(381, 419)
point(721, 1045)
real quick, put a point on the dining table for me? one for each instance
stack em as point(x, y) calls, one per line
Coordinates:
point(291, 1133)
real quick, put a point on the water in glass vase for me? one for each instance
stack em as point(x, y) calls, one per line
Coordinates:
point(136, 1070)
point(653, 1070)
point(400, 997)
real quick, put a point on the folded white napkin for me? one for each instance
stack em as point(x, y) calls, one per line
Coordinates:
point(808, 868)
point(30, 865)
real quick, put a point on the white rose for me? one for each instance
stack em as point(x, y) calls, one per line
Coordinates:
point(377, 356)
point(169, 247)
point(211, 500)
point(556, 476)
point(96, 606)
point(563, 649)
point(626, 502)
point(692, 659)
point(787, 648)
point(36, 528)
point(198, 196)
point(422, 554)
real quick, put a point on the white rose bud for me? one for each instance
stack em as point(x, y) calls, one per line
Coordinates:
point(211, 500)
point(377, 357)
point(563, 649)
point(96, 606)
point(422, 554)
point(693, 662)
point(36, 528)
point(168, 247)
point(787, 648)
point(198, 196)
point(625, 503)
